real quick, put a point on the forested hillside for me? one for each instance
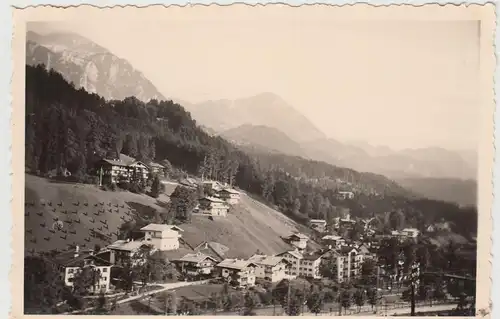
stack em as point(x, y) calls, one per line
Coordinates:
point(70, 128)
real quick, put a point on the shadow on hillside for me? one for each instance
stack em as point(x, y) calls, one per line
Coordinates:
point(143, 211)
point(161, 203)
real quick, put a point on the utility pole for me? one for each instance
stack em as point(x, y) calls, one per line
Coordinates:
point(288, 299)
point(340, 300)
point(413, 277)
point(376, 289)
point(100, 176)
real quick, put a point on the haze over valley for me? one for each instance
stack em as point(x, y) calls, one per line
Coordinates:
point(264, 122)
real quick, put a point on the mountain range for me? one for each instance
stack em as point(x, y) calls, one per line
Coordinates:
point(268, 121)
point(432, 172)
point(264, 121)
point(88, 65)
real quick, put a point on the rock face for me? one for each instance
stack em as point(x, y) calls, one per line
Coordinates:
point(89, 66)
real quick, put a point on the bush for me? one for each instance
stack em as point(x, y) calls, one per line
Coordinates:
point(67, 179)
point(109, 187)
point(136, 188)
point(124, 185)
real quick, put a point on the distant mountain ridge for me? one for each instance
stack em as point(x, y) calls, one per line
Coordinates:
point(265, 109)
point(462, 192)
point(265, 137)
point(89, 66)
point(233, 119)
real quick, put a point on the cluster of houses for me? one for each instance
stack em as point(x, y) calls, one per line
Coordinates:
point(208, 259)
point(126, 169)
point(223, 197)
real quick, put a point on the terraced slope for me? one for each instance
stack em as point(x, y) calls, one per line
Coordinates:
point(88, 215)
point(91, 216)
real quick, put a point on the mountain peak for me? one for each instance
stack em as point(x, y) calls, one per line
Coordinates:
point(266, 108)
point(89, 66)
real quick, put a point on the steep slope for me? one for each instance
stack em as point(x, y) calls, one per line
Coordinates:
point(263, 109)
point(89, 66)
point(249, 227)
point(81, 209)
point(264, 137)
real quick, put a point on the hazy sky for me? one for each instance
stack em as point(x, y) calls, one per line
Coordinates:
point(395, 83)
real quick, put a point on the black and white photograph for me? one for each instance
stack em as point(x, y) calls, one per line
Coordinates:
point(255, 161)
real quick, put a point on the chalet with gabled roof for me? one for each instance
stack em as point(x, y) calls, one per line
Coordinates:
point(212, 249)
point(73, 262)
point(213, 206)
point(271, 268)
point(238, 272)
point(229, 195)
point(196, 264)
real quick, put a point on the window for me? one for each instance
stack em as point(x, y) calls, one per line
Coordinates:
point(105, 270)
point(70, 270)
point(104, 278)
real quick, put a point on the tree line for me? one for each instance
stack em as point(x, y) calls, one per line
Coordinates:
point(71, 129)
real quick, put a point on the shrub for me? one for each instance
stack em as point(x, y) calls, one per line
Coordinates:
point(124, 185)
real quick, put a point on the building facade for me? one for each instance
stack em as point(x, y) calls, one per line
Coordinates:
point(213, 206)
point(309, 266)
point(123, 251)
point(318, 224)
point(162, 237)
point(271, 268)
point(348, 262)
point(298, 240)
point(121, 169)
point(302, 265)
point(74, 262)
point(230, 196)
point(240, 273)
point(197, 264)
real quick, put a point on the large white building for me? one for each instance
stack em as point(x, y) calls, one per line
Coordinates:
point(162, 237)
point(302, 265)
point(348, 262)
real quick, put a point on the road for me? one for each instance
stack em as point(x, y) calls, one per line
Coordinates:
point(407, 310)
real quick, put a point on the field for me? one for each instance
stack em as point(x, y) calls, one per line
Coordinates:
point(58, 215)
point(61, 214)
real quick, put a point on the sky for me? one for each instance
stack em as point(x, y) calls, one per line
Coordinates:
point(403, 84)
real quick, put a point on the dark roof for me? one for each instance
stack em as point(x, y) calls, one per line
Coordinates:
point(346, 249)
point(212, 249)
point(313, 256)
point(68, 259)
point(123, 160)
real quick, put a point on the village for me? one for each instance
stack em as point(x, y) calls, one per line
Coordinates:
point(321, 256)
point(324, 253)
